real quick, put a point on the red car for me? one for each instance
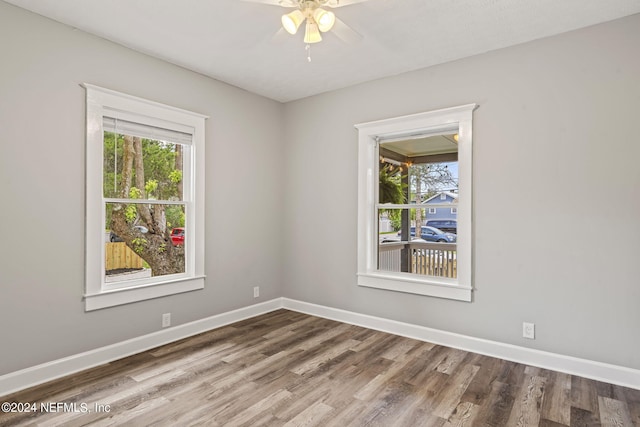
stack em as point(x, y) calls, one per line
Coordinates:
point(177, 236)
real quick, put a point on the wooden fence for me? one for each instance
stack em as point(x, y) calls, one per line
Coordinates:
point(118, 255)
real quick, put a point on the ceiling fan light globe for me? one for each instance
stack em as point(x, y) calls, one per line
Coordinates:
point(312, 34)
point(325, 19)
point(291, 21)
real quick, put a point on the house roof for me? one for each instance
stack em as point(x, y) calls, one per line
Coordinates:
point(454, 196)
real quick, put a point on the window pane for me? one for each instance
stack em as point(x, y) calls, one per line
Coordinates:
point(140, 168)
point(432, 253)
point(143, 240)
point(423, 172)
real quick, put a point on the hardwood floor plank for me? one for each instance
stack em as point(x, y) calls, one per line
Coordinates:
point(525, 410)
point(304, 398)
point(583, 418)
point(495, 410)
point(381, 379)
point(288, 368)
point(277, 398)
point(463, 416)
point(634, 411)
point(400, 349)
point(319, 338)
point(424, 364)
point(456, 387)
point(312, 416)
point(324, 357)
point(139, 411)
point(548, 423)
point(614, 413)
point(584, 394)
point(348, 416)
point(451, 361)
point(419, 405)
point(556, 405)
point(480, 387)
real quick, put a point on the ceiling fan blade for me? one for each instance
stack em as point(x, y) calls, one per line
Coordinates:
point(283, 3)
point(345, 32)
point(280, 37)
point(340, 3)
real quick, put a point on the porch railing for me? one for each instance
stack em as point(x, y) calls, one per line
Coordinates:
point(425, 258)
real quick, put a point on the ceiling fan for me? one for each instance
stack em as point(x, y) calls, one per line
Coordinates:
point(318, 19)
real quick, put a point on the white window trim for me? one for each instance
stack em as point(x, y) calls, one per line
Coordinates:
point(458, 118)
point(432, 211)
point(103, 102)
point(454, 210)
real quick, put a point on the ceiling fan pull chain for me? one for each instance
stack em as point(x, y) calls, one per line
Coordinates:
point(308, 49)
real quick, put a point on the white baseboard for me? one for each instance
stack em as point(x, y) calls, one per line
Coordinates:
point(39, 374)
point(613, 374)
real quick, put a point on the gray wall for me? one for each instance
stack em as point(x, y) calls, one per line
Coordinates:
point(42, 190)
point(557, 128)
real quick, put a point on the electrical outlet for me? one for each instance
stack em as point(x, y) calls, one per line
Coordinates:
point(256, 291)
point(529, 330)
point(166, 320)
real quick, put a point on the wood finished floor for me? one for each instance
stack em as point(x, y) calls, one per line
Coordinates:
point(291, 369)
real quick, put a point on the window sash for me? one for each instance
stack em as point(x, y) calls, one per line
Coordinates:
point(126, 127)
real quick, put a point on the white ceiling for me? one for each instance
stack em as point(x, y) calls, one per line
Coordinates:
point(238, 42)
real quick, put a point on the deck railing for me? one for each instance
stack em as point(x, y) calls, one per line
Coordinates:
point(425, 258)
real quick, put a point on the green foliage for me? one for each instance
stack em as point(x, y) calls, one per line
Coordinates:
point(151, 186)
point(135, 193)
point(111, 177)
point(139, 244)
point(395, 216)
point(175, 176)
point(130, 213)
point(159, 165)
point(162, 248)
point(391, 189)
point(175, 216)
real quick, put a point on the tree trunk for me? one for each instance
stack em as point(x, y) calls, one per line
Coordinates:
point(143, 210)
point(139, 165)
point(178, 166)
point(128, 153)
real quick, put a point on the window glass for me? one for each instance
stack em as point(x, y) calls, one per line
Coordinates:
point(144, 171)
point(416, 171)
point(138, 247)
point(155, 167)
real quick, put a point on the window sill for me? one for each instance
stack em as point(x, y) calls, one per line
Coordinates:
point(440, 288)
point(114, 297)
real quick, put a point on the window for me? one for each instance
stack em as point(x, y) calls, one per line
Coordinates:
point(454, 211)
point(432, 211)
point(144, 199)
point(403, 160)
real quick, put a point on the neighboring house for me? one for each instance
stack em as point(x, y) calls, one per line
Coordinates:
point(436, 210)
